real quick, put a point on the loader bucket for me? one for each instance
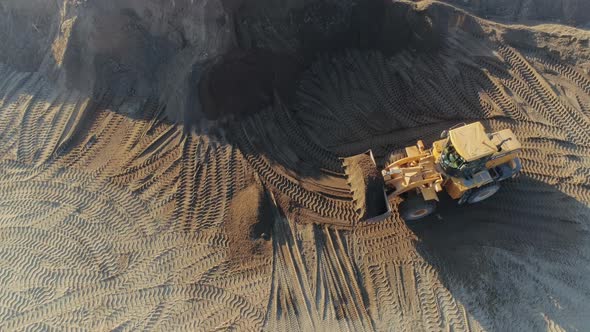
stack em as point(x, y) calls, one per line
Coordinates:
point(367, 187)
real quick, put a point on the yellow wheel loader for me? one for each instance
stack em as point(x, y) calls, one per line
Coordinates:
point(467, 162)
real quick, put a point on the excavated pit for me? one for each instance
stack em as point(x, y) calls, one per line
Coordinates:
point(114, 216)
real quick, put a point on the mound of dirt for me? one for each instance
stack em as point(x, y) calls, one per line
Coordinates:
point(121, 49)
point(572, 12)
point(27, 29)
point(249, 225)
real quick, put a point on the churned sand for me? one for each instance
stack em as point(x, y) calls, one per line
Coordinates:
point(117, 215)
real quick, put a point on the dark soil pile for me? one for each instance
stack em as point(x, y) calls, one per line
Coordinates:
point(26, 32)
point(571, 12)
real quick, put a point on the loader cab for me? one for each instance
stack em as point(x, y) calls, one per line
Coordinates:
point(467, 150)
point(453, 164)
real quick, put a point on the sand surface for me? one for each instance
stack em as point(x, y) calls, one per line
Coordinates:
point(124, 207)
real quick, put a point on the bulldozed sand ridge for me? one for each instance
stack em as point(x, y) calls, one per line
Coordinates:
point(137, 194)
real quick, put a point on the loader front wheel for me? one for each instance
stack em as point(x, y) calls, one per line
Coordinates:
point(415, 207)
point(483, 193)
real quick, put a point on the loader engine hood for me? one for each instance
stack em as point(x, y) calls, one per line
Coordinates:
point(471, 142)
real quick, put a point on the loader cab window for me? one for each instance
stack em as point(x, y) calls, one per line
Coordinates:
point(451, 160)
point(454, 165)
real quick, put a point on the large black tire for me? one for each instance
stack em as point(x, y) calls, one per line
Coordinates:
point(482, 193)
point(415, 207)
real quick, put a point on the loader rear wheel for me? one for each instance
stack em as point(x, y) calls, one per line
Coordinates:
point(415, 207)
point(483, 193)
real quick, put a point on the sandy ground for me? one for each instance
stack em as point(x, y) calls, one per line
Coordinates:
point(113, 216)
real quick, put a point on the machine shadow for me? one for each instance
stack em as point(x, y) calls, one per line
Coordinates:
point(515, 258)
